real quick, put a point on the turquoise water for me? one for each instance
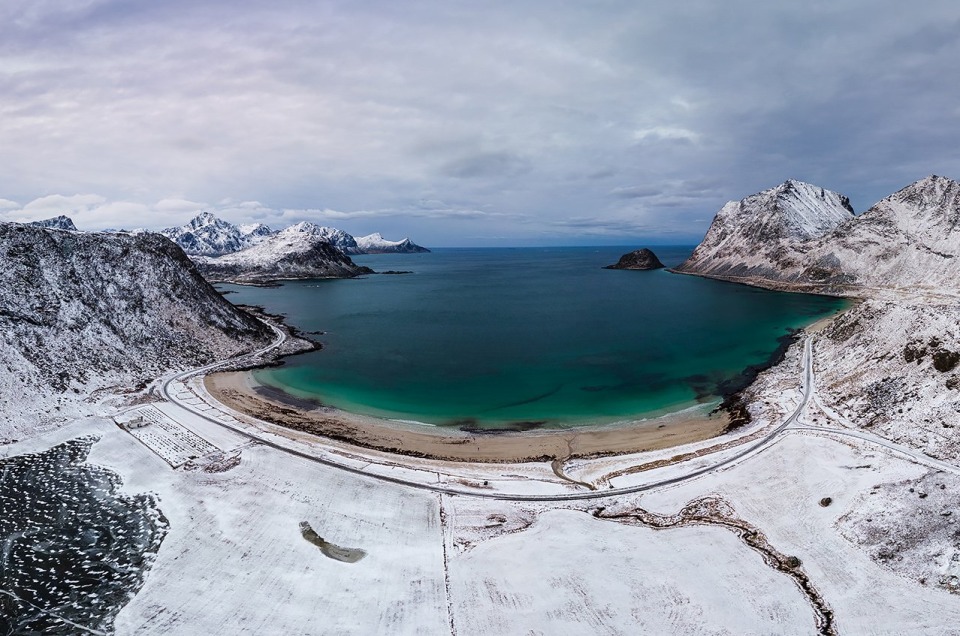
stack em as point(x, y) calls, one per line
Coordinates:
point(528, 334)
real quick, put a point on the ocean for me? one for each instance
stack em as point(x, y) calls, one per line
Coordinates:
point(499, 337)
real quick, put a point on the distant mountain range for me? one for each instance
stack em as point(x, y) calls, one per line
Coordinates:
point(256, 254)
point(208, 235)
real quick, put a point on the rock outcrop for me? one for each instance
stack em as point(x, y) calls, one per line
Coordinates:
point(642, 259)
point(83, 312)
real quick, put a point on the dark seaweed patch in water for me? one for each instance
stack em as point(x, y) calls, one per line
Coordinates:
point(73, 551)
point(279, 395)
point(471, 425)
point(732, 390)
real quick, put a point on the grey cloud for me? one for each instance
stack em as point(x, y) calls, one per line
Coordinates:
point(485, 165)
point(636, 192)
point(510, 119)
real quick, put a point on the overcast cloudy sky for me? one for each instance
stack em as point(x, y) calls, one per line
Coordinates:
point(467, 123)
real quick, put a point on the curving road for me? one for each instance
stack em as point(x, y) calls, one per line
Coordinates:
point(596, 494)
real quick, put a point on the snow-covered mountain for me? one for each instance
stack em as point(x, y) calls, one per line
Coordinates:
point(764, 235)
point(57, 223)
point(376, 244)
point(81, 313)
point(908, 240)
point(299, 252)
point(337, 238)
point(209, 235)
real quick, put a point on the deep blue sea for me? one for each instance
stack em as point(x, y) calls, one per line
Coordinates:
point(499, 336)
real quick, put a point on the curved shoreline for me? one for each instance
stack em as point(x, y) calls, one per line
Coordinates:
point(238, 391)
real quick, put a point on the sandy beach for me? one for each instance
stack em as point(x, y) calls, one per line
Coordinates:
point(238, 390)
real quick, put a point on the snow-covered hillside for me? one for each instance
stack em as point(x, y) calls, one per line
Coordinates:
point(763, 235)
point(376, 244)
point(893, 367)
point(84, 313)
point(337, 238)
point(909, 240)
point(300, 251)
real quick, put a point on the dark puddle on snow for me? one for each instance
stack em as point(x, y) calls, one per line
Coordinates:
point(73, 551)
point(330, 550)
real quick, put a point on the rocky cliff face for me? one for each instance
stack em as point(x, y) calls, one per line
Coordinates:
point(85, 313)
point(908, 240)
point(298, 252)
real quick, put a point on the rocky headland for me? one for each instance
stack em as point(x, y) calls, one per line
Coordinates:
point(889, 364)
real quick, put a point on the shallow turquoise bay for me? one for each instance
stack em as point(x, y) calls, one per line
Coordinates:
point(528, 334)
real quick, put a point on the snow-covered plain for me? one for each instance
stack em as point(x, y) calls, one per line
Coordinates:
point(234, 560)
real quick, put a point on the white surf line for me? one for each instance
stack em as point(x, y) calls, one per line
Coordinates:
point(53, 614)
point(613, 492)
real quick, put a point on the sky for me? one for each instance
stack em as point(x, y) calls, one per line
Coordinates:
point(467, 123)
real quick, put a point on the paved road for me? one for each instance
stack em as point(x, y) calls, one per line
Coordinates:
point(596, 494)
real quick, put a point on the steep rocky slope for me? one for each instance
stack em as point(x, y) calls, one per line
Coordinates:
point(86, 313)
point(893, 367)
point(298, 252)
point(909, 240)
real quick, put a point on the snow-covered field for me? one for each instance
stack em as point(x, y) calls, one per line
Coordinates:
point(234, 560)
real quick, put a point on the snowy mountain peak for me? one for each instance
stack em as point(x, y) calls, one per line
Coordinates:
point(208, 235)
point(255, 229)
point(376, 244)
point(204, 218)
point(795, 210)
point(747, 235)
point(56, 223)
point(933, 192)
point(337, 238)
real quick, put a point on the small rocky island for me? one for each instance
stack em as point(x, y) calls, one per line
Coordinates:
point(638, 259)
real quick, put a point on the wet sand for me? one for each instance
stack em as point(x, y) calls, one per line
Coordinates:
point(239, 391)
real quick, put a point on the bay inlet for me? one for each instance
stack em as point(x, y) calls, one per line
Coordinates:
point(515, 339)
